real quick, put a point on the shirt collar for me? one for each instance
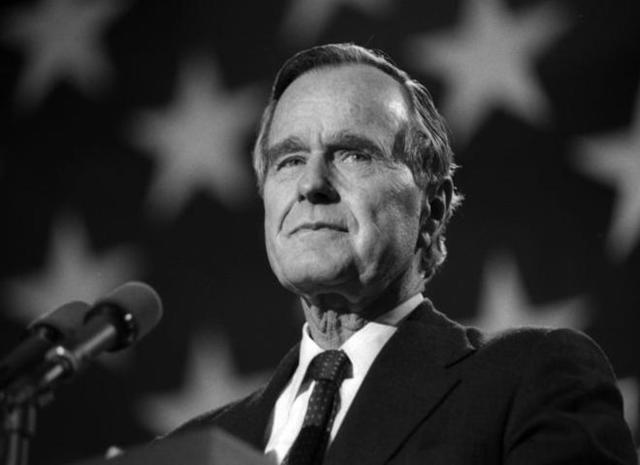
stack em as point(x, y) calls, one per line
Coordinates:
point(363, 346)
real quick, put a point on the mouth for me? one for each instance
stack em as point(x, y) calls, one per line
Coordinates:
point(318, 226)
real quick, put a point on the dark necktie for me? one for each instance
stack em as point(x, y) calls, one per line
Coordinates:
point(328, 369)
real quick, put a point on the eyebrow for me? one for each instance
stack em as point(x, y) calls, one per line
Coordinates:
point(349, 140)
point(340, 140)
point(288, 145)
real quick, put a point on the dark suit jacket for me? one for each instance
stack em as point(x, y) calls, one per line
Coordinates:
point(441, 393)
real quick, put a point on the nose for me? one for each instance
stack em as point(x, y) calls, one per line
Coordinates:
point(315, 185)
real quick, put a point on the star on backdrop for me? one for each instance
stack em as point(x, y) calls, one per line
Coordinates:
point(198, 141)
point(72, 271)
point(614, 159)
point(630, 394)
point(61, 39)
point(211, 381)
point(504, 304)
point(489, 61)
point(305, 20)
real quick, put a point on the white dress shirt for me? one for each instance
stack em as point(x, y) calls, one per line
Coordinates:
point(362, 348)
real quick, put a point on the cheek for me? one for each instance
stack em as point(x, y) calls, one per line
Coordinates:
point(273, 209)
point(394, 218)
point(271, 222)
point(270, 239)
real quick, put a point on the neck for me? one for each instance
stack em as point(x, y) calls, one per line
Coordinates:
point(334, 315)
point(330, 328)
point(332, 319)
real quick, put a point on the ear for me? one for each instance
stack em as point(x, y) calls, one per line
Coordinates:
point(437, 203)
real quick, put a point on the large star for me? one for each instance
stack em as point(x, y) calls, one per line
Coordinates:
point(630, 394)
point(61, 40)
point(504, 304)
point(305, 19)
point(489, 60)
point(615, 160)
point(71, 272)
point(198, 142)
point(211, 381)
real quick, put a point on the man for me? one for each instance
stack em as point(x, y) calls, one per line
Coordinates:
point(355, 169)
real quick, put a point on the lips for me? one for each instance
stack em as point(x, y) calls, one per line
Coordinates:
point(318, 225)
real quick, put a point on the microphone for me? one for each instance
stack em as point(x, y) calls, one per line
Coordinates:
point(41, 335)
point(114, 322)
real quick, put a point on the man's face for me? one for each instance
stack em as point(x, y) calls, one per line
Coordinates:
point(341, 215)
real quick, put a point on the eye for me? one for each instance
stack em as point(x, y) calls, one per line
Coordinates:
point(289, 161)
point(353, 156)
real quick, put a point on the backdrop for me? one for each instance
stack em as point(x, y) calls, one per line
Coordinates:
point(126, 134)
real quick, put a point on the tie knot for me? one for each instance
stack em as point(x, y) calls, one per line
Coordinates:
point(330, 365)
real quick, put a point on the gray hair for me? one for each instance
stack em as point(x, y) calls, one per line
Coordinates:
point(423, 145)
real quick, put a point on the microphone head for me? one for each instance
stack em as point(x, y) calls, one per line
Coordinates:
point(139, 306)
point(63, 322)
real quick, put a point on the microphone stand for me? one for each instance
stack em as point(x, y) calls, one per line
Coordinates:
point(21, 398)
point(19, 426)
point(111, 324)
point(20, 402)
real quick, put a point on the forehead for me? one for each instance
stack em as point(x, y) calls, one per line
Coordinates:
point(354, 98)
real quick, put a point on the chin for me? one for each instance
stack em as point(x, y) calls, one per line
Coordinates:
point(309, 278)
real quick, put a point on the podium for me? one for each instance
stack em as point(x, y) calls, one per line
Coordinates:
point(201, 447)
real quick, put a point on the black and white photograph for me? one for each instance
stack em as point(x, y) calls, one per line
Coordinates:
point(305, 232)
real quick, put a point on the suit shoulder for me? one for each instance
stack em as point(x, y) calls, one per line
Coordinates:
point(526, 336)
point(209, 418)
point(509, 341)
point(539, 343)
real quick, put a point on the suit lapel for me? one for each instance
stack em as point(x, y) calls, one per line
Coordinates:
point(249, 421)
point(404, 386)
